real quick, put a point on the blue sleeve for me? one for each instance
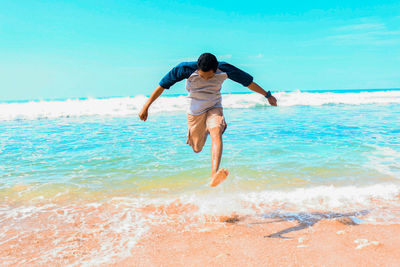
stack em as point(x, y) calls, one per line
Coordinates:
point(180, 72)
point(236, 74)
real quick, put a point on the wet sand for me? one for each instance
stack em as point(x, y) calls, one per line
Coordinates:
point(175, 235)
point(251, 242)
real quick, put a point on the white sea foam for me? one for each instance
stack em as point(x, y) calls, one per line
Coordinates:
point(131, 106)
point(326, 198)
point(116, 230)
point(385, 160)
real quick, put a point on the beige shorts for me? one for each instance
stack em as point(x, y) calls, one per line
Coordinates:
point(199, 127)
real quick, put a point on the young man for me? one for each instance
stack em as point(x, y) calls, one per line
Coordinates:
point(205, 116)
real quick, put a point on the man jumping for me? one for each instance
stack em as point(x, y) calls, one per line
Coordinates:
point(205, 115)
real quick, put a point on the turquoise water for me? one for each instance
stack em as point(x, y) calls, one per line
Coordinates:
point(94, 160)
point(264, 148)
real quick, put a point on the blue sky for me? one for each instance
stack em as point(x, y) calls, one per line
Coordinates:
point(67, 49)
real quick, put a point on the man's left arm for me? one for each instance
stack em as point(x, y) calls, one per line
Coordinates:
point(256, 88)
point(246, 80)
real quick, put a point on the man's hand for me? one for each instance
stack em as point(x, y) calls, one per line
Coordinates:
point(143, 114)
point(272, 101)
point(256, 88)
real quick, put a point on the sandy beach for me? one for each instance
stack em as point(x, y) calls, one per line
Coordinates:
point(180, 238)
point(329, 242)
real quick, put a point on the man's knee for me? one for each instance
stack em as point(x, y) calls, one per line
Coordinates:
point(215, 132)
point(197, 149)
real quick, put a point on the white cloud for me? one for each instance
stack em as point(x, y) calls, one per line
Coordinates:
point(259, 55)
point(362, 26)
point(224, 56)
point(185, 59)
point(365, 34)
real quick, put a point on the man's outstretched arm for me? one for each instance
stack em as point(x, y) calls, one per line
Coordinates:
point(244, 79)
point(256, 88)
point(156, 93)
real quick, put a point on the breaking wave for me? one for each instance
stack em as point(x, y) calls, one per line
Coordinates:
point(130, 106)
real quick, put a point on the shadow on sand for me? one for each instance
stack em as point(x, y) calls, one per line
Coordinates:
point(306, 220)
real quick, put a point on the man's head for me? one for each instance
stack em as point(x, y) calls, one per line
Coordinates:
point(207, 65)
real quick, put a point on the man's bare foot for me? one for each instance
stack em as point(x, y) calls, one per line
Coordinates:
point(219, 177)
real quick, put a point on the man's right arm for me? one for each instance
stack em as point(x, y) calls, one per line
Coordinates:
point(178, 73)
point(156, 93)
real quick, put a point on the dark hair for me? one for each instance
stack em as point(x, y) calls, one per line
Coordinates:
point(207, 62)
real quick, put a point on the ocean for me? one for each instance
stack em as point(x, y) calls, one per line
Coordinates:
point(74, 171)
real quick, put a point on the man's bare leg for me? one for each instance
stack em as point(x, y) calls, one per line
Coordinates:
point(217, 176)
